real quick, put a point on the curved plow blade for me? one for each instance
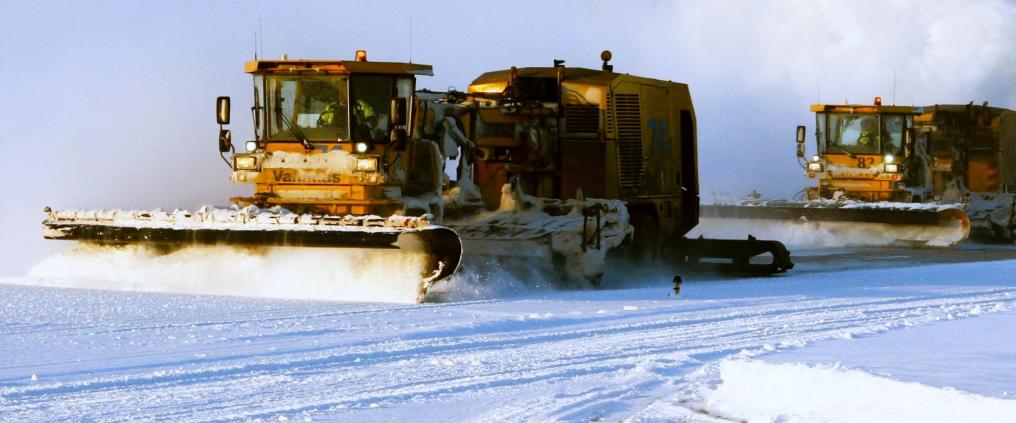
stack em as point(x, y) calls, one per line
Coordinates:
point(435, 250)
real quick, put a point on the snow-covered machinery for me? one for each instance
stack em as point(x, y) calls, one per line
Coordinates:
point(563, 165)
point(896, 175)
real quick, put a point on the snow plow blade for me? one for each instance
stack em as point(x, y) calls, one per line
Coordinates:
point(271, 228)
point(836, 224)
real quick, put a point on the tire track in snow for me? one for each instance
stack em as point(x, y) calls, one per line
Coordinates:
point(709, 333)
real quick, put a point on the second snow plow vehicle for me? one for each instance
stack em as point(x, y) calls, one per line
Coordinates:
point(562, 164)
point(896, 175)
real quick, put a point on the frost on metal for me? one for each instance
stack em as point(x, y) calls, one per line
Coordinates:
point(248, 218)
point(842, 204)
point(338, 161)
point(580, 230)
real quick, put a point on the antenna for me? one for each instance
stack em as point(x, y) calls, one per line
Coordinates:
point(894, 85)
point(255, 45)
point(819, 93)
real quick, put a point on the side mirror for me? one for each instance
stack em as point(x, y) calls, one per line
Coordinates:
point(800, 141)
point(398, 112)
point(225, 141)
point(222, 110)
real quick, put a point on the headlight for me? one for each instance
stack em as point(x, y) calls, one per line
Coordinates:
point(366, 164)
point(815, 167)
point(889, 158)
point(361, 147)
point(892, 168)
point(251, 145)
point(815, 158)
point(245, 163)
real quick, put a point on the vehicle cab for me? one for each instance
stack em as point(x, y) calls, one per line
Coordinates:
point(327, 134)
point(862, 151)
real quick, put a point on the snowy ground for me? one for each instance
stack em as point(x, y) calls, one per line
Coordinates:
point(925, 336)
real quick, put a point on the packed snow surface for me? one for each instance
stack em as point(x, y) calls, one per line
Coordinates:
point(532, 354)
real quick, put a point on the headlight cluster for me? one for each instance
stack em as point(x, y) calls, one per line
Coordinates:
point(366, 164)
point(251, 146)
point(892, 168)
point(815, 166)
point(245, 162)
point(361, 147)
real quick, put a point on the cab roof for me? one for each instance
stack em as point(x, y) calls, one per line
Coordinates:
point(335, 67)
point(962, 108)
point(575, 75)
point(862, 108)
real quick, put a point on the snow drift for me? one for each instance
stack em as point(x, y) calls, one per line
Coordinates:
point(756, 391)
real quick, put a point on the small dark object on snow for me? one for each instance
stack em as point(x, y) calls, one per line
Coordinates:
point(677, 285)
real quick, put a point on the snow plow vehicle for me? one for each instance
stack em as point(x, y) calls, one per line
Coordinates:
point(898, 176)
point(557, 165)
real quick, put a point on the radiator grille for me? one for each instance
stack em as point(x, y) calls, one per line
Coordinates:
point(581, 118)
point(629, 139)
point(610, 117)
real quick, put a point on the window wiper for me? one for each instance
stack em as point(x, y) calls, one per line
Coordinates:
point(293, 129)
point(849, 154)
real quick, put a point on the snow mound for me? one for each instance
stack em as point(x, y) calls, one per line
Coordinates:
point(757, 391)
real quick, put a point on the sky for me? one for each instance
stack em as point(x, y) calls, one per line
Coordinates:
point(111, 104)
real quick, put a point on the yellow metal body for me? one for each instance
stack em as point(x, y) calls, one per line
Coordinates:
point(971, 146)
point(861, 177)
point(605, 134)
point(561, 132)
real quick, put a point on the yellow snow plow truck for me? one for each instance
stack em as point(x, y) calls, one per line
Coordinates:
point(554, 165)
point(899, 175)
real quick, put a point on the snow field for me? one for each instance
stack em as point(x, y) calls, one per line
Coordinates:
point(530, 355)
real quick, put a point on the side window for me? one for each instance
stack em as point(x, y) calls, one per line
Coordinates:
point(404, 87)
point(820, 131)
point(893, 127)
point(370, 104)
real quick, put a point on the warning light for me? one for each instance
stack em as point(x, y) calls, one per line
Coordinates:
point(878, 101)
point(361, 55)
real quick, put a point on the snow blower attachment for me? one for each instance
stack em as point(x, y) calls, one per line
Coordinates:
point(894, 176)
point(559, 166)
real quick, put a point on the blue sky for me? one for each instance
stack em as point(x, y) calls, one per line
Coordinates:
point(110, 104)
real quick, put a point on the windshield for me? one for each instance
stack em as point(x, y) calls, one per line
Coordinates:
point(860, 133)
point(307, 106)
